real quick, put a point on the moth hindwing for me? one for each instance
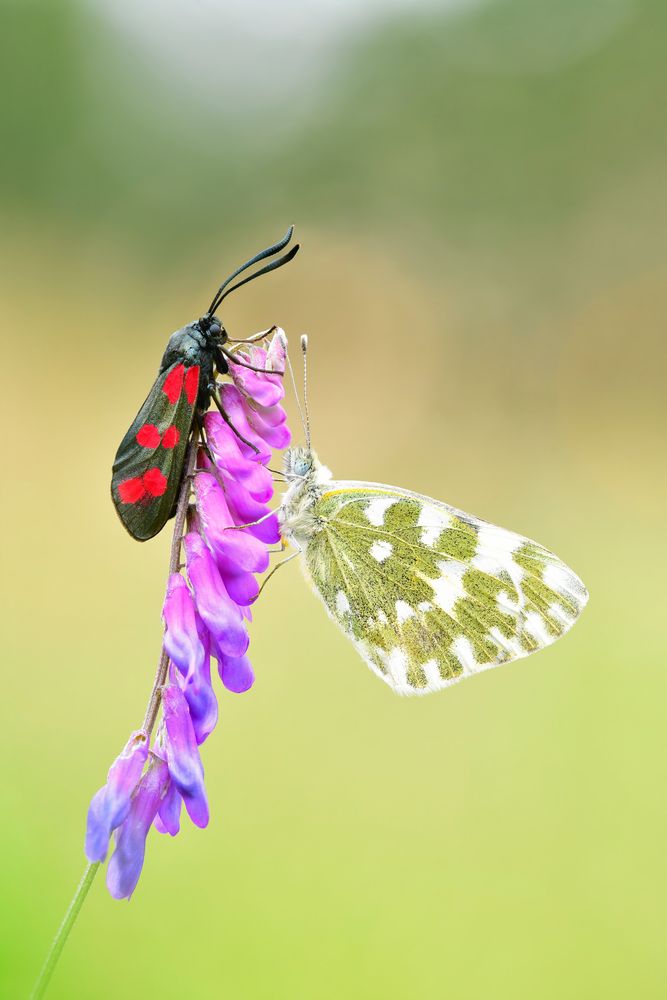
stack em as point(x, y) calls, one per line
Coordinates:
point(427, 593)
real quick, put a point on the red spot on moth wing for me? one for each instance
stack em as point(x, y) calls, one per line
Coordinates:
point(148, 436)
point(174, 383)
point(132, 490)
point(155, 482)
point(171, 437)
point(192, 383)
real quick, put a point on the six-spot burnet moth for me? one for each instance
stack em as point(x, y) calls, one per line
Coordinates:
point(148, 467)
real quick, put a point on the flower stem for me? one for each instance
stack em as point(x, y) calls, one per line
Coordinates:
point(63, 931)
point(149, 721)
point(181, 513)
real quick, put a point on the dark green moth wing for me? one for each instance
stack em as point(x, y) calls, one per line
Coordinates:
point(148, 466)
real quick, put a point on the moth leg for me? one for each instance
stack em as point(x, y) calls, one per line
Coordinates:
point(283, 562)
point(255, 337)
point(246, 364)
point(218, 402)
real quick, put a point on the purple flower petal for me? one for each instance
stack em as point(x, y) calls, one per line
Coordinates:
point(128, 858)
point(256, 385)
point(168, 819)
point(243, 551)
point(245, 509)
point(200, 695)
point(232, 401)
point(226, 448)
point(181, 639)
point(275, 435)
point(183, 758)
point(243, 588)
point(111, 804)
point(236, 673)
point(276, 356)
point(271, 415)
point(218, 612)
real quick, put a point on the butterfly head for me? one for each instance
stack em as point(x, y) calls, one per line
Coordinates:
point(302, 464)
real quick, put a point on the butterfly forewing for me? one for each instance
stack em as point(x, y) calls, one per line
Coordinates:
point(429, 594)
point(149, 462)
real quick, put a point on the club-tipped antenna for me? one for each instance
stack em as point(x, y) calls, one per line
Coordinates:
point(262, 255)
point(304, 351)
point(296, 395)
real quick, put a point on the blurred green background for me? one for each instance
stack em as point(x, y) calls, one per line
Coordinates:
point(479, 190)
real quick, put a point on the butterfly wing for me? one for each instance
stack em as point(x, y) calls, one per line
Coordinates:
point(149, 462)
point(429, 594)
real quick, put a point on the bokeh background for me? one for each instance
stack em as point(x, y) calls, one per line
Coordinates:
point(479, 190)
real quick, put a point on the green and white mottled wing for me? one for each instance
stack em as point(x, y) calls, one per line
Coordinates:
point(429, 594)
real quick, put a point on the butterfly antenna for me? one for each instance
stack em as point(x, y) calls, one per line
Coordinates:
point(304, 351)
point(275, 248)
point(296, 395)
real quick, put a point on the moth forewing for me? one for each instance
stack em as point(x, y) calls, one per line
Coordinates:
point(149, 461)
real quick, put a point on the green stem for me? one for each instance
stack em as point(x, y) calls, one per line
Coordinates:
point(63, 931)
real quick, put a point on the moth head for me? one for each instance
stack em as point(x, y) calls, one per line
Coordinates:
point(213, 330)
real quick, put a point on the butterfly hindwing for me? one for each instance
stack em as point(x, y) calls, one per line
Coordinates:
point(429, 594)
point(149, 462)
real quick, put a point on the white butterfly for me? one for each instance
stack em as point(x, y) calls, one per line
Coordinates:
point(427, 593)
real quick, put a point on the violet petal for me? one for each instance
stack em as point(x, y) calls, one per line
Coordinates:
point(128, 858)
point(181, 640)
point(185, 766)
point(236, 673)
point(168, 819)
point(217, 610)
point(111, 804)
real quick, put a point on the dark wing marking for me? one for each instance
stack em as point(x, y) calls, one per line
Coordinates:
point(149, 462)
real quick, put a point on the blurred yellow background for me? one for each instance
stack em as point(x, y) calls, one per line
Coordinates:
point(479, 191)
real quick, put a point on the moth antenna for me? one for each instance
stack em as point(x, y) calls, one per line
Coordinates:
point(296, 396)
point(262, 255)
point(304, 351)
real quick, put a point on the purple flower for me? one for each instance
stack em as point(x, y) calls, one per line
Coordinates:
point(181, 637)
point(236, 673)
point(199, 693)
point(128, 858)
point(218, 612)
point(111, 804)
point(185, 766)
point(168, 819)
point(205, 612)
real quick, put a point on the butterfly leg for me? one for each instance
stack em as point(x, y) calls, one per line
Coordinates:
point(283, 562)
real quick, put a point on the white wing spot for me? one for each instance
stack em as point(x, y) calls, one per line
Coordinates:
point(424, 606)
point(505, 602)
point(342, 603)
point(449, 587)
point(382, 618)
point(432, 672)
point(381, 550)
point(558, 612)
point(511, 646)
point(404, 611)
point(396, 663)
point(535, 626)
point(378, 507)
point(463, 651)
point(433, 521)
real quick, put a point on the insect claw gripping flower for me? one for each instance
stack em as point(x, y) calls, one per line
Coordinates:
point(206, 611)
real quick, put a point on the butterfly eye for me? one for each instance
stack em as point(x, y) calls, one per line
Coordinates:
point(214, 329)
point(302, 466)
